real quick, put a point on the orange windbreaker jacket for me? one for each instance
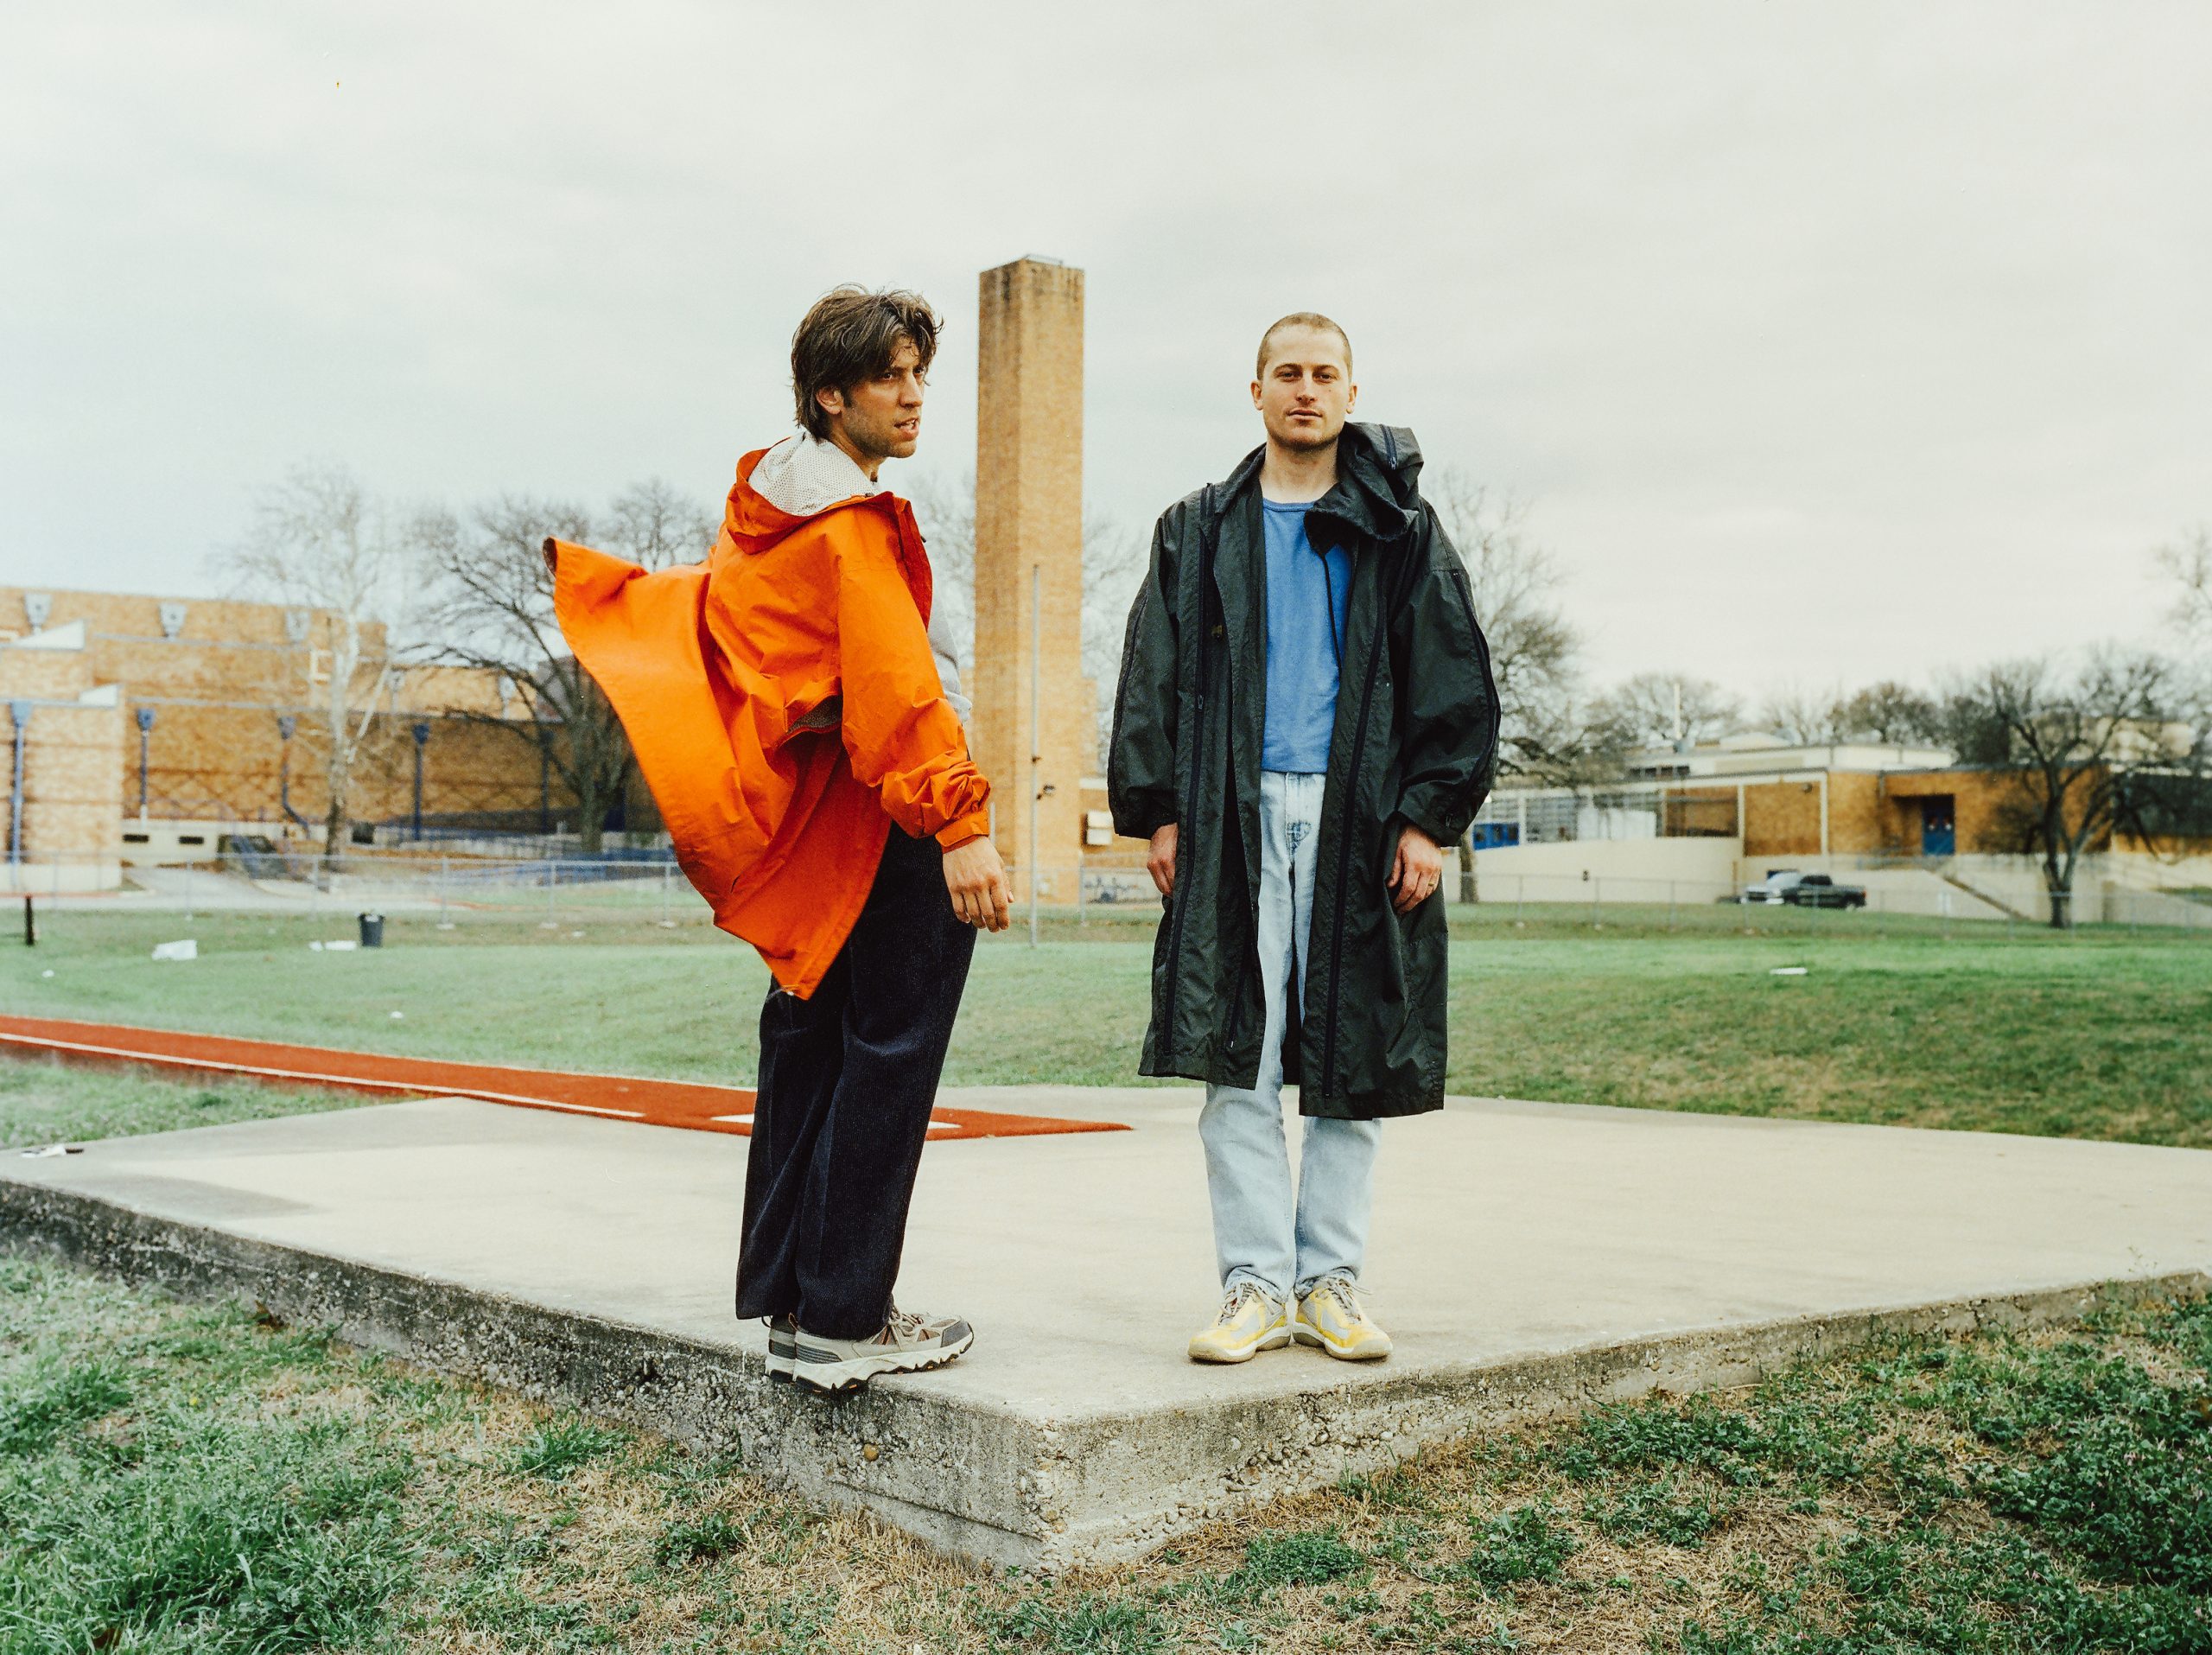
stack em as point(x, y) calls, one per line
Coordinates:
point(784, 709)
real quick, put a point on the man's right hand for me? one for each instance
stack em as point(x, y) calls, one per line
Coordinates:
point(1161, 863)
point(976, 878)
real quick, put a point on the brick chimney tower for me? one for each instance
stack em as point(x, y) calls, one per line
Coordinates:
point(1029, 570)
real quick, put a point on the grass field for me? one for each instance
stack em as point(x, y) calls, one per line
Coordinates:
point(175, 1477)
point(195, 1478)
point(2095, 1035)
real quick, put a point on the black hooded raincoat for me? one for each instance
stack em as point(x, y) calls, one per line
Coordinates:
point(1416, 740)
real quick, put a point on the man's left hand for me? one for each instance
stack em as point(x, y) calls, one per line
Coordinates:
point(1417, 872)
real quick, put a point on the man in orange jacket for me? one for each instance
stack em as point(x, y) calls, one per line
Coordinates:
point(799, 723)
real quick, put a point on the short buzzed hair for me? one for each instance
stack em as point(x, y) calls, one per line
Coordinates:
point(1301, 319)
point(851, 335)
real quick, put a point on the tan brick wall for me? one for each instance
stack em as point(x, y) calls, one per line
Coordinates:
point(1698, 812)
point(218, 688)
point(1979, 797)
point(1782, 818)
point(466, 767)
point(72, 806)
point(72, 803)
point(125, 616)
point(1029, 517)
point(56, 673)
point(1861, 821)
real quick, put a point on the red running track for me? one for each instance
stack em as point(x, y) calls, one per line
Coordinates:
point(690, 1104)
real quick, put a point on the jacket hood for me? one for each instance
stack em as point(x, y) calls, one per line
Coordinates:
point(1378, 481)
point(751, 522)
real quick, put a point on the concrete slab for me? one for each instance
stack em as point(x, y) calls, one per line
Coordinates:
point(1528, 1258)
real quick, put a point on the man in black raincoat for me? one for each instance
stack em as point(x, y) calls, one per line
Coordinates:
point(1305, 718)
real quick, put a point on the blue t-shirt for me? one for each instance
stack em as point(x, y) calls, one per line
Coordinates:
point(1309, 603)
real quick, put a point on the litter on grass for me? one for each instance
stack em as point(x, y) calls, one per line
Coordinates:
point(188, 948)
point(396, 1015)
point(328, 947)
point(1787, 970)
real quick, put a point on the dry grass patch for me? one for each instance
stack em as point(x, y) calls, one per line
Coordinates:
point(1999, 1494)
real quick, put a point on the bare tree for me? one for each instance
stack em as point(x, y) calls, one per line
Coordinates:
point(1534, 652)
point(1655, 709)
point(1114, 562)
point(1804, 717)
point(319, 542)
point(945, 513)
point(655, 523)
point(490, 605)
point(2113, 745)
point(2188, 563)
point(1888, 712)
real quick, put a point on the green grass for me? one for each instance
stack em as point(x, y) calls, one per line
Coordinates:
point(2095, 1035)
point(43, 1103)
point(205, 1478)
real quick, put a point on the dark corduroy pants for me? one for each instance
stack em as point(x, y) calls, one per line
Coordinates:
point(847, 1080)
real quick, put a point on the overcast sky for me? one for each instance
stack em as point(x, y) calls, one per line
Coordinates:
point(1828, 343)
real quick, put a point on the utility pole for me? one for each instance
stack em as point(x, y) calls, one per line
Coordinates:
point(1036, 733)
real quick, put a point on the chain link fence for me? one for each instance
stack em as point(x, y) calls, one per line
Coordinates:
point(640, 890)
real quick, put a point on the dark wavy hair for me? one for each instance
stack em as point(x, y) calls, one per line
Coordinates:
point(851, 335)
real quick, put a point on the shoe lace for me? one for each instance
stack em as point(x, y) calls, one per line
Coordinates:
point(903, 1324)
point(1233, 1301)
point(1344, 1290)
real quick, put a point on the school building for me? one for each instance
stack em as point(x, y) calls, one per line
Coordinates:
point(145, 729)
point(1699, 822)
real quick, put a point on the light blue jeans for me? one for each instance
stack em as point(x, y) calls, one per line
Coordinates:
point(1262, 1231)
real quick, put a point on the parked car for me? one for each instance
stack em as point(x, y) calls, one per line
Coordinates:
point(1804, 891)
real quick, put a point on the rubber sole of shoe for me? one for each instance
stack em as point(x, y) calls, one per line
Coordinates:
point(1374, 1353)
point(1273, 1341)
point(854, 1371)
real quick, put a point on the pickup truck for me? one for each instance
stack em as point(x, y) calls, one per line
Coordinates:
point(1804, 891)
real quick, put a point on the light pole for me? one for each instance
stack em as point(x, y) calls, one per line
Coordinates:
point(421, 740)
point(20, 711)
point(145, 741)
point(286, 724)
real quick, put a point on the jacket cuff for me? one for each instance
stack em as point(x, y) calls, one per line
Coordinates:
point(1411, 811)
point(1143, 815)
point(976, 824)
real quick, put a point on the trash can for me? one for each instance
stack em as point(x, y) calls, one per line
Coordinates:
point(371, 930)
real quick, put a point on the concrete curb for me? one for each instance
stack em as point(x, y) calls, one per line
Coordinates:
point(1005, 1485)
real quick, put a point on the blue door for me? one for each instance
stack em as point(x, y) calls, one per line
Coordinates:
point(1939, 833)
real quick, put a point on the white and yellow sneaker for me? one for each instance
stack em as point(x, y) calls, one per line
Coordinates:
point(1250, 1320)
point(1332, 1316)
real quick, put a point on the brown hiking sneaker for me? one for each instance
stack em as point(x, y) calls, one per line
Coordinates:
point(905, 1344)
